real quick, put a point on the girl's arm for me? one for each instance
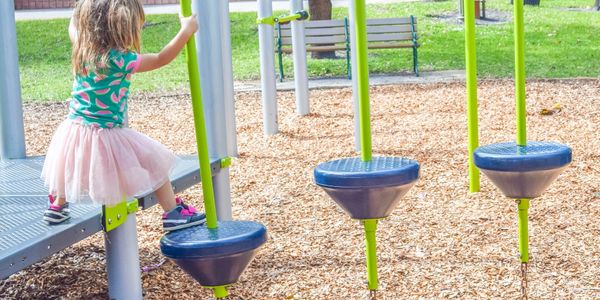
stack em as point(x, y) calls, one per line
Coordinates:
point(151, 62)
point(72, 30)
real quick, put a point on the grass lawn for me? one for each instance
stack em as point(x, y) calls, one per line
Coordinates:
point(560, 42)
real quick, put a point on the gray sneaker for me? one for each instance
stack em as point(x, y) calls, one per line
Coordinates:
point(182, 216)
point(56, 214)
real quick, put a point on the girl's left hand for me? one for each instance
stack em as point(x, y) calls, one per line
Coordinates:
point(189, 24)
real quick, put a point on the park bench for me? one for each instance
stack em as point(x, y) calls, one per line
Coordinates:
point(334, 35)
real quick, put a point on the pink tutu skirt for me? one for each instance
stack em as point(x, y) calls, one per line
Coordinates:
point(105, 165)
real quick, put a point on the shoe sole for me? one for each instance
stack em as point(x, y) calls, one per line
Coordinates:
point(53, 221)
point(186, 225)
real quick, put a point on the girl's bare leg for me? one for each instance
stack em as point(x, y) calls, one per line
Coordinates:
point(166, 197)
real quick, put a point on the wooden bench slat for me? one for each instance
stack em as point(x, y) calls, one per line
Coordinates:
point(384, 37)
point(390, 21)
point(390, 29)
point(318, 24)
point(342, 31)
point(315, 31)
point(390, 45)
point(341, 23)
point(323, 23)
point(289, 50)
point(318, 40)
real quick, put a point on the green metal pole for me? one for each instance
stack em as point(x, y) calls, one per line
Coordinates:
point(471, 70)
point(520, 72)
point(220, 291)
point(362, 68)
point(523, 229)
point(371, 252)
point(194, 76)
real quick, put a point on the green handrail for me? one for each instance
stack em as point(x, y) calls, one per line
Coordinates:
point(471, 70)
point(200, 127)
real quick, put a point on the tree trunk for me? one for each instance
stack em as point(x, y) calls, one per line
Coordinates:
point(320, 10)
point(597, 5)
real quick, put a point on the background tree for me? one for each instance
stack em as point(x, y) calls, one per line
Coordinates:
point(320, 10)
point(597, 5)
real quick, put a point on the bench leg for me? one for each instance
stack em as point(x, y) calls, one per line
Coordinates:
point(348, 66)
point(280, 66)
point(415, 62)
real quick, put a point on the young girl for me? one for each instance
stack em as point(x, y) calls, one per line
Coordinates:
point(93, 153)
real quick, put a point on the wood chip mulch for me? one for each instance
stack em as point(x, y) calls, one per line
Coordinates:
point(441, 242)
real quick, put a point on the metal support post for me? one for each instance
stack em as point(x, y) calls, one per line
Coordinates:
point(299, 52)
point(371, 253)
point(123, 262)
point(228, 94)
point(210, 65)
point(267, 69)
point(12, 134)
point(353, 55)
point(523, 205)
point(523, 229)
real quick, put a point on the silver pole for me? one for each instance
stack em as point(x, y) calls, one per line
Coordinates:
point(354, 75)
point(267, 69)
point(299, 50)
point(12, 134)
point(228, 95)
point(123, 262)
point(210, 65)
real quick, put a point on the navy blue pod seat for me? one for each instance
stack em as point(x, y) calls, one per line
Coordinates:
point(215, 257)
point(523, 171)
point(367, 190)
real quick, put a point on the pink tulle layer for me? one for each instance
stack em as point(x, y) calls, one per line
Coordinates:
point(105, 165)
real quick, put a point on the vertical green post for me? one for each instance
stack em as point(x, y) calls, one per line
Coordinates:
point(360, 21)
point(371, 252)
point(220, 291)
point(520, 72)
point(471, 76)
point(523, 229)
point(194, 76)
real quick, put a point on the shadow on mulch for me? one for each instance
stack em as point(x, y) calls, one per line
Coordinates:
point(579, 9)
point(492, 17)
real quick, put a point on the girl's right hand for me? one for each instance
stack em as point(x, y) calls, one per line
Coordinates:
point(189, 24)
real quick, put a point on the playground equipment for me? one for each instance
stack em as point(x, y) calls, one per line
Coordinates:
point(265, 22)
point(521, 170)
point(25, 239)
point(367, 188)
point(215, 255)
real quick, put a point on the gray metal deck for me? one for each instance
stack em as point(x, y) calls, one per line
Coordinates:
point(26, 239)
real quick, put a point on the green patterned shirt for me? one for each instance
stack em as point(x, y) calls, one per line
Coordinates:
point(100, 98)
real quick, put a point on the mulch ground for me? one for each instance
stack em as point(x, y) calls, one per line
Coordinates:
point(440, 242)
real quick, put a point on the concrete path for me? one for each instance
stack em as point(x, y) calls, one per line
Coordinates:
point(327, 83)
point(243, 6)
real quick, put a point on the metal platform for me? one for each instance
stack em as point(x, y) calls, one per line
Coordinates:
point(26, 239)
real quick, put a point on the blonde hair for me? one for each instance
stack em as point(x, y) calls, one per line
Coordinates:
point(104, 25)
